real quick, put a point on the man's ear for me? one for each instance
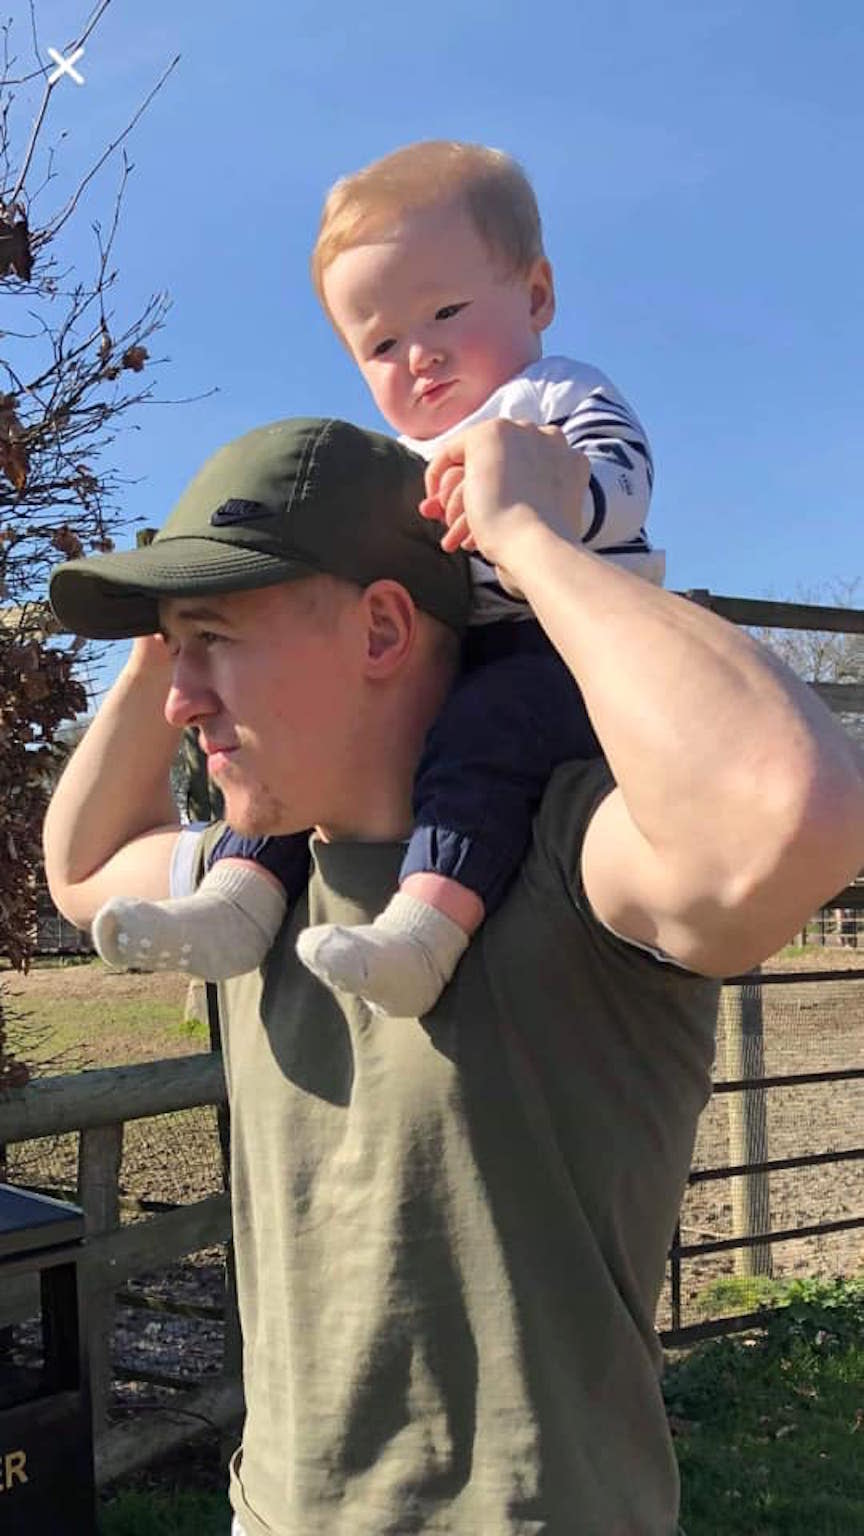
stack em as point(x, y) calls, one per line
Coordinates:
point(541, 289)
point(391, 625)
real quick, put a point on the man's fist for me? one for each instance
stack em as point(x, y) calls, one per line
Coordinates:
point(499, 481)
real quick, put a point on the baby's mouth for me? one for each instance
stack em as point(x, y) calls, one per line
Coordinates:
point(433, 392)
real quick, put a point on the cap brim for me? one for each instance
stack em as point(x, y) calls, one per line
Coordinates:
point(111, 597)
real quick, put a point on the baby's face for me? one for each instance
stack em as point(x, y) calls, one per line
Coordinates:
point(432, 322)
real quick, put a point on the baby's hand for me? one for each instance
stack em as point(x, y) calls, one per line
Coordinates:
point(446, 506)
point(514, 479)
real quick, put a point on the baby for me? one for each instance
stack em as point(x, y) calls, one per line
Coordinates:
point(430, 264)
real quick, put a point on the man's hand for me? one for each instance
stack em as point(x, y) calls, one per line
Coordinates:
point(499, 482)
point(150, 656)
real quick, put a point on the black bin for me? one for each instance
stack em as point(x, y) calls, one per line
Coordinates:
point(46, 1444)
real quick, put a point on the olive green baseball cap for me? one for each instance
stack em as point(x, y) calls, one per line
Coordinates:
point(293, 499)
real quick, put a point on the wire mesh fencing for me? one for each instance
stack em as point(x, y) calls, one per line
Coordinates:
point(167, 1160)
point(779, 1150)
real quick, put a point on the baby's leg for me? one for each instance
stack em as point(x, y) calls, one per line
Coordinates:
point(488, 757)
point(225, 927)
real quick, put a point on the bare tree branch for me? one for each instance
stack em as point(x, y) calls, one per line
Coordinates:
point(57, 224)
point(75, 371)
point(77, 42)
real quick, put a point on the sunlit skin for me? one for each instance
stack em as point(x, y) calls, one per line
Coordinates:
point(292, 706)
point(433, 318)
point(436, 323)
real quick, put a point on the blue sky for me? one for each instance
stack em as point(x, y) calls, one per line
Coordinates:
point(698, 167)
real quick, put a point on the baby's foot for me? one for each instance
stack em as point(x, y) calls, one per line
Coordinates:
point(224, 929)
point(400, 964)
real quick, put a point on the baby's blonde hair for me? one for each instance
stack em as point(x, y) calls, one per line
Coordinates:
point(493, 188)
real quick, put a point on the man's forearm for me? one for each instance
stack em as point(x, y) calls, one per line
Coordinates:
point(114, 790)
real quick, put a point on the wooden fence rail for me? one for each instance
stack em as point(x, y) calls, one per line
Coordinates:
point(77, 1101)
point(96, 1105)
point(760, 613)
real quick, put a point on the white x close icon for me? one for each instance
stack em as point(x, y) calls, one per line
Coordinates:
point(64, 66)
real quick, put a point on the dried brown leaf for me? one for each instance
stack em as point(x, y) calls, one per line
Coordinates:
point(134, 358)
point(67, 542)
point(13, 456)
point(15, 254)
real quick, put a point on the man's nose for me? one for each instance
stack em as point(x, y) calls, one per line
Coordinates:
point(422, 356)
point(189, 698)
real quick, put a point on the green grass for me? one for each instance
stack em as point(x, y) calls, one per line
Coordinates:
point(96, 1024)
point(732, 1294)
point(794, 951)
point(769, 1430)
point(135, 1513)
point(83, 1015)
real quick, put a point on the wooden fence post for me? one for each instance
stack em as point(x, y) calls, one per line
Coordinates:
point(748, 1141)
point(99, 1154)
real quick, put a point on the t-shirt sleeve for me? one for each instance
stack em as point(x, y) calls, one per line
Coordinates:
point(574, 794)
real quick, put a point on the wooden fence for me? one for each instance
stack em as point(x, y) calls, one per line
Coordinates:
point(96, 1105)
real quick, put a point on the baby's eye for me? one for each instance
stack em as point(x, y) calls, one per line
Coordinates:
point(447, 311)
point(382, 347)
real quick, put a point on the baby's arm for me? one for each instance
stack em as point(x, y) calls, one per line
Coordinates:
point(598, 421)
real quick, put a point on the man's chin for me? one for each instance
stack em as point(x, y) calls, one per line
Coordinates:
point(267, 818)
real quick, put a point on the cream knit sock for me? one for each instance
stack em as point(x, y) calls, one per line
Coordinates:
point(224, 929)
point(400, 964)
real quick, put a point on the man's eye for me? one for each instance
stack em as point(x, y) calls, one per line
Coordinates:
point(383, 347)
point(208, 637)
point(447, 311)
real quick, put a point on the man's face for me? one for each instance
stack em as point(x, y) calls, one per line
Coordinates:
point(269, 682)
point(432, 321)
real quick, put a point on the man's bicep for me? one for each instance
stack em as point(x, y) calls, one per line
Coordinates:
point(629, 887)
point(142, 868)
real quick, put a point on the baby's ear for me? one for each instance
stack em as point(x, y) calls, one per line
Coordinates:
point(541, 289)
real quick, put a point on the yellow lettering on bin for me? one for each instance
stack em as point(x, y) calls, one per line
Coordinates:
point(14, 1463)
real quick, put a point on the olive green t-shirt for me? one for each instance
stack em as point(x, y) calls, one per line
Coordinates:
point(451, 1232)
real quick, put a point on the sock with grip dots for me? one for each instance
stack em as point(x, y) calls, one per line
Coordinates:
point(224, 929)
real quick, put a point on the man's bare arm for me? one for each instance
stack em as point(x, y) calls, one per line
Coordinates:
point(112, 825)
point(740, 802)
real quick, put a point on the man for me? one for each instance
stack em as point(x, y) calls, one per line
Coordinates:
point(451, 1231)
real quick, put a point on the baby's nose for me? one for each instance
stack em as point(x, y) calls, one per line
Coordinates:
point(422, 356)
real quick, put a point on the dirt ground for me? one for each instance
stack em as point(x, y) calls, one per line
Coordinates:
point(808, 1027)
point(92, 980)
